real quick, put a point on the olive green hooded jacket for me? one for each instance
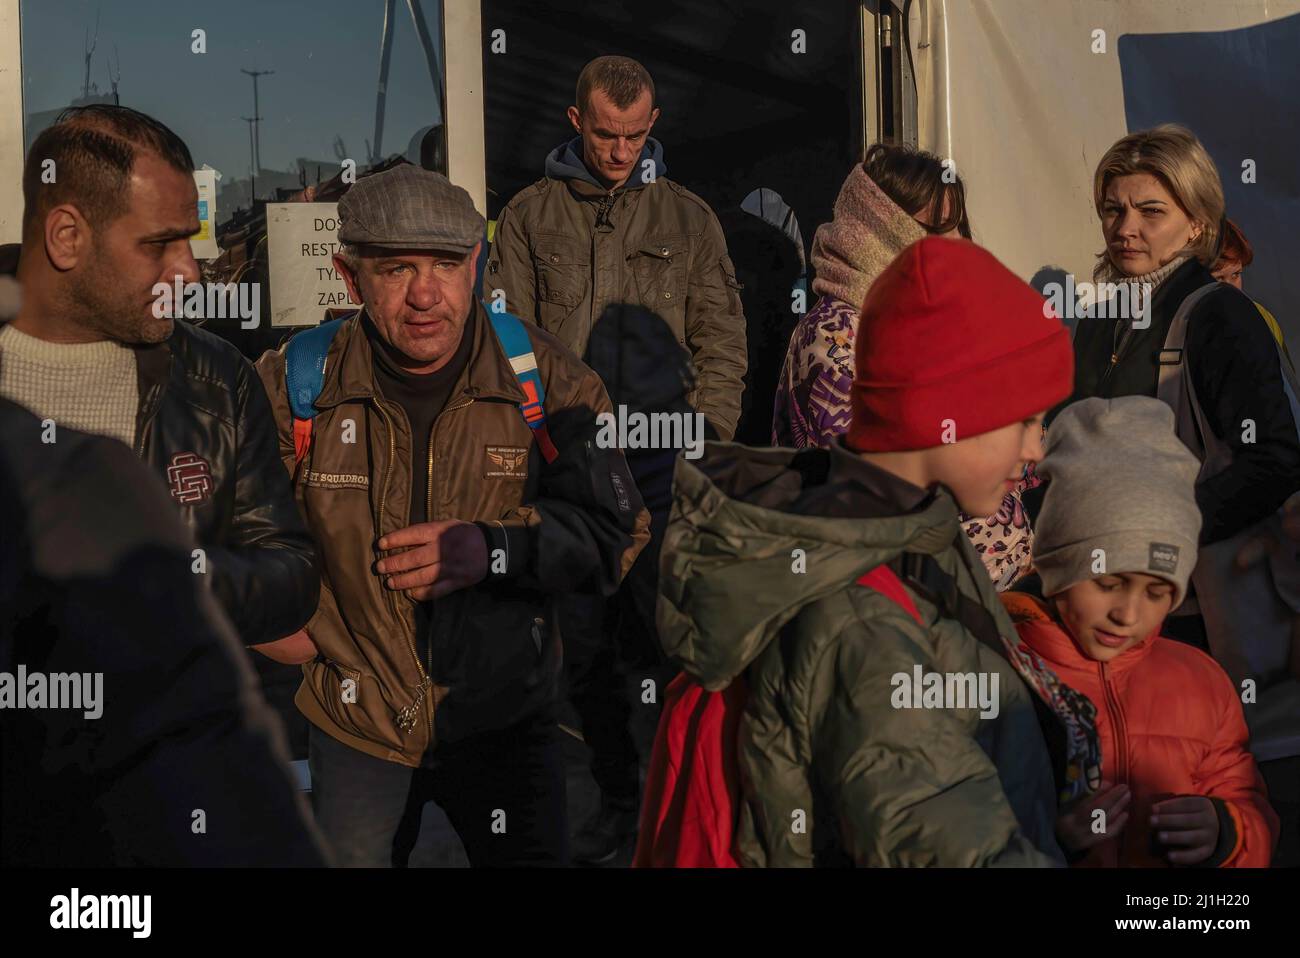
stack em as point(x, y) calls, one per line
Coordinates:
point(832, 772)
point(568, 254)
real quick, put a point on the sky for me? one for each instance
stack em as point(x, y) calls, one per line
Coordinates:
point(325, 54)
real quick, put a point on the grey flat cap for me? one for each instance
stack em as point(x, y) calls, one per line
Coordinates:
point(409, 207)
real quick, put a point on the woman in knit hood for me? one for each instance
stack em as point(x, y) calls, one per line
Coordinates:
point(895, 197)
point(890, 200)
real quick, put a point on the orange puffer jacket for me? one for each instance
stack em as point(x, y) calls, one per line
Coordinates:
point(1170, 724)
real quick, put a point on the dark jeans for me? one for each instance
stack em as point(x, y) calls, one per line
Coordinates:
point(608, 641)
point(503, 791)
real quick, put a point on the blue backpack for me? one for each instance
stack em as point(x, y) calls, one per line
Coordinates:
point(304, 373)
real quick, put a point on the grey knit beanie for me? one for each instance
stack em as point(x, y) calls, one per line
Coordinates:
point(1122, 482)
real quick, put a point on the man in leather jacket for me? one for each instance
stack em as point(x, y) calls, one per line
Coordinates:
point(109, 206)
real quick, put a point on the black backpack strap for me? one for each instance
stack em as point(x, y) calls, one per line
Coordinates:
point(923, 574)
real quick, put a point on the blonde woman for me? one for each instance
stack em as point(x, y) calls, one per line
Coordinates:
point(1160, 201)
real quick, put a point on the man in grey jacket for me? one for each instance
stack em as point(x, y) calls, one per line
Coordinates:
point(630, 270)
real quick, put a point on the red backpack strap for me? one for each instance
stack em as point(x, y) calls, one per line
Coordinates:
point(883, 580)
point(301, 439)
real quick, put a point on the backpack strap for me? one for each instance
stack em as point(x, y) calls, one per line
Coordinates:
point(924, 575)
point(1174, 387)
point(304, 375)
point(519, 349)
point(882, 579)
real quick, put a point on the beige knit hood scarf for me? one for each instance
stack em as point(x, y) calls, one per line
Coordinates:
point(864, 236)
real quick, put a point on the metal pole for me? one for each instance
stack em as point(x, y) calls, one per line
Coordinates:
point(257, 116)
point(430, 54)
point(252, 170)
point(385, 55)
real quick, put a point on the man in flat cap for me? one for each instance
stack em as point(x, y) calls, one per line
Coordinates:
point(450, 508)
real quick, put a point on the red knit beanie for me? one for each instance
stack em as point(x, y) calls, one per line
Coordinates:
point(949, 333)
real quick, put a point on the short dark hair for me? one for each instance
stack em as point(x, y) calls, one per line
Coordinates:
point(913, 179)
point(622, 79)
point(94, 149)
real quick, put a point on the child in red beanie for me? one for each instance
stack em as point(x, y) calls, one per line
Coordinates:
point(892, 717)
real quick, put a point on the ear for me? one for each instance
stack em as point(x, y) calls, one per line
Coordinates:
point(68, 237)
point(575, 118)
point(350, 279)
point(654, 115)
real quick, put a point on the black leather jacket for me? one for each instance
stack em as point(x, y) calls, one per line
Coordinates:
point(205, 426)
point(95, 578)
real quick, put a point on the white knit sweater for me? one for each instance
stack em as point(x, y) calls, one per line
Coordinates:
point(86, 386)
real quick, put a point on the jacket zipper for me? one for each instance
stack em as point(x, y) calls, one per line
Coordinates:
point(1121, 752)
point(428, 517)
point(602, 211)
point(433, 609)
point(602, 216)
point(405, 717)
point(1117, 720)
point(1118, 343)
point(150, 413)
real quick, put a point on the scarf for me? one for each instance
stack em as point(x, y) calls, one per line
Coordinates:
point(866, 233)
point(1107, 273)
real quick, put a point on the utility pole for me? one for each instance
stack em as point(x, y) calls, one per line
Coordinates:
point(90, 52)
point(257, 117)
point(252, 170)
point(113, 78)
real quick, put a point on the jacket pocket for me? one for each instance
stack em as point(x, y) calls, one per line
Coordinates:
point(563, 272)
point(353, 702)
point(658, 267)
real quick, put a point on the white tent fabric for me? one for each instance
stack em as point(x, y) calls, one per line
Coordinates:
point(1014, 93)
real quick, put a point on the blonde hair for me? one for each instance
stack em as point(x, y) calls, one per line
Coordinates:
point(1173, 155)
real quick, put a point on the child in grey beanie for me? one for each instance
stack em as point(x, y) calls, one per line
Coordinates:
point(1116, 545)
point(1122, 496)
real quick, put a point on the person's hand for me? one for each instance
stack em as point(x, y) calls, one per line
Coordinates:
point(291, 650)
point(1188, 825)
point(1074, 828)
point(439, 558)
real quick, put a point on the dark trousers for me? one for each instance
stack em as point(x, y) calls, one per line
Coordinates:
point(503, 791)
point(612, 650)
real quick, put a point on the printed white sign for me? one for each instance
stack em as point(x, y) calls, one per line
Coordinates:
point(300, 239)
